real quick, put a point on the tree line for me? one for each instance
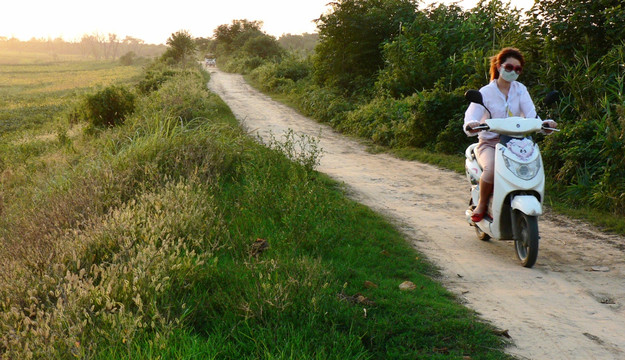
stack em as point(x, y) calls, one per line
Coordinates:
point(95, 46)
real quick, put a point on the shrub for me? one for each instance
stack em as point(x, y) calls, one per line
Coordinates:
point(184, 97)
point(281, 76)
point(155, 75)
point(383, 120)
point(109, 106)
point(128, 58)
point(243, 64)
point(322, 103)
point(434, 111)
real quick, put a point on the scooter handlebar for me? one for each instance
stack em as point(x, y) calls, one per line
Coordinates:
point(481, 127)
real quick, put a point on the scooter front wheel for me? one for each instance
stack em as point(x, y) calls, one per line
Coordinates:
point(526, 240)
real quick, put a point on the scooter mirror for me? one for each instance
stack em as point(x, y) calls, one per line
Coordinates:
point(474, 96)
point(552, 97)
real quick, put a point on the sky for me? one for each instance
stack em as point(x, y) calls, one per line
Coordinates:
point(156, 20)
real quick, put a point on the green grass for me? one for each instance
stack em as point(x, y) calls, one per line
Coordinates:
point(137, 242)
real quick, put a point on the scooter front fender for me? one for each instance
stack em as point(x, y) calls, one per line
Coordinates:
point(527, 204)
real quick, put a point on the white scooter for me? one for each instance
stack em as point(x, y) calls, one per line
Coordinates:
point(519, 183)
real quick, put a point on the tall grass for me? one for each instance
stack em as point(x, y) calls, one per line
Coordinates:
point(182, 237)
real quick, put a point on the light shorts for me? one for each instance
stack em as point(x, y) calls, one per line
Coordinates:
point(485, 152)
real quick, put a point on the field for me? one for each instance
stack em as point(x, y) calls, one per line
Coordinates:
point(33, 89)
point(177, 236)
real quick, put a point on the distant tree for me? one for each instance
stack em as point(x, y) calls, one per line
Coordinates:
point(263, 46)
point(203, 45)
point(304, 43)
point(93, 45)
point(133, 44)
point(181, 47)
point(111, 46)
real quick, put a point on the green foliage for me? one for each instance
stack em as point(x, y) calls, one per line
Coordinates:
point(280, 77)
point(128, 58)
point(586, 157)
point(228, 38)
point(394, 74)
point(110, 106)
point(349, 53)
point(445, 45)
point(156, 73)
point(573, 26)
point(300, 44)
point(434, 110)
point(184, 97)
point(242, 46)
point(181, 48)
point(384, 120)
point(323, 103)
point(263, 46)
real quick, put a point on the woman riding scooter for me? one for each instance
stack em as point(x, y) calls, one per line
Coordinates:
point(504, 97)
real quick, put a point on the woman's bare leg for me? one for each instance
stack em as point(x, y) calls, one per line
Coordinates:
point(486, 189)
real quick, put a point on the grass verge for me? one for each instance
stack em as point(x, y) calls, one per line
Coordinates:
point(186, 239)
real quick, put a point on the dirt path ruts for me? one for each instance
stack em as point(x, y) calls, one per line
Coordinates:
point(569, 306)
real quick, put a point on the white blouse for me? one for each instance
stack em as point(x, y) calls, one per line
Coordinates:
point(518, 103)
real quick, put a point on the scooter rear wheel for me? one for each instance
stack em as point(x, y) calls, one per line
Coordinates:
point(526, 241)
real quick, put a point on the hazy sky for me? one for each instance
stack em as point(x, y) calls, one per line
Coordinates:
point(154, 21)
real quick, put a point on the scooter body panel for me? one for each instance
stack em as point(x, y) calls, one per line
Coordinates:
point(511, 193)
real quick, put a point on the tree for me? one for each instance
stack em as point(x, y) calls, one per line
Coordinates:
point(111, 46)
point(567, 27)
point(181, 47)
point(349, 53)
point(133, 44)
point(204, 45)
point(263, 46)
point(299, 43)
point(231, 37)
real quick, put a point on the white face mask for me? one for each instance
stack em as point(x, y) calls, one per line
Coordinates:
point(508, 75)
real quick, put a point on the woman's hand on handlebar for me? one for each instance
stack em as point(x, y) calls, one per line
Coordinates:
point(549, 126)
point(471, 127)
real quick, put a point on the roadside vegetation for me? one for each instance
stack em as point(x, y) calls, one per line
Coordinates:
point(138, 220)
point(394, 73)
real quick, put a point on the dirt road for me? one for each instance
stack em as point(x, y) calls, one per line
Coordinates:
point(569, 306)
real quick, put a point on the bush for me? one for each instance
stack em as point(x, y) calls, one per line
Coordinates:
point(243, 64)
point(434, 111)
point(155, 75)
point(384, 120)
point(281, 76)
point(128, 58)
point(322, 103)
point(109, 106)
point(184, 98)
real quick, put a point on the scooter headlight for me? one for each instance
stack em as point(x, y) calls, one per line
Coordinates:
point(524, 171)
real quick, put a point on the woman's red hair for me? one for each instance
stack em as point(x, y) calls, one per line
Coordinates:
point(504, 54)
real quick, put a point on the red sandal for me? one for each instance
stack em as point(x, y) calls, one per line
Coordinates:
point(477, 217)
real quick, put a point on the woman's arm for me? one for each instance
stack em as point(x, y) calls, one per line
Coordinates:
point(474, 114)
point(526, 104)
